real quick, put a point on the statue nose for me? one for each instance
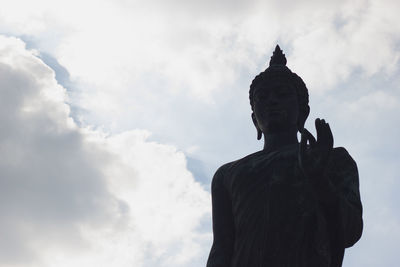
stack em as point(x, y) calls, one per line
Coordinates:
point(273, 99)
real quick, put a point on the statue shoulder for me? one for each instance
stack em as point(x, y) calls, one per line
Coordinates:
point(218, 181)
point(225, 171)
point(222, 171)
point(342, 168)
point(340, 156)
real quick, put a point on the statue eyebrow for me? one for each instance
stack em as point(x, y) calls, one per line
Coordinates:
point(261, 93)
point(279, 88)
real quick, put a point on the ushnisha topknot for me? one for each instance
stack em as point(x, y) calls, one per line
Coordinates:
point(279, 72)
point(278, 57)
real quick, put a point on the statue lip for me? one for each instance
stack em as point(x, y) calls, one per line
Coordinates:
point(273, 110)
point(276, 112)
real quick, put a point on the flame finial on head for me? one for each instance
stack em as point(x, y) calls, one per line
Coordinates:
point(278, 58)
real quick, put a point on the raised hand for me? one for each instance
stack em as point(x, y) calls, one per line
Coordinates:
point(313, 158)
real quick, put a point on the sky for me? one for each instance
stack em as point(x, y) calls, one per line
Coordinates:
point(114, 116)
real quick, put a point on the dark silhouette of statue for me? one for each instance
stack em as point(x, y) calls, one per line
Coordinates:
point(291, 204)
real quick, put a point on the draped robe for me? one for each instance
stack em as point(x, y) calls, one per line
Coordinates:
point(266, 213)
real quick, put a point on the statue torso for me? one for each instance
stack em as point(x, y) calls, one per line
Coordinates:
point(277, 220)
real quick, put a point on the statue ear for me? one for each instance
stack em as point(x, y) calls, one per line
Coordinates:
point(259, 132)
point(303, 114)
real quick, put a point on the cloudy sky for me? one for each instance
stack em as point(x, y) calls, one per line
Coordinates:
point(114, 116)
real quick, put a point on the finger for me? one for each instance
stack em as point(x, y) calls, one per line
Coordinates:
point(318, 129)
point(310, 137)
point(329, 135)
point(324, 132)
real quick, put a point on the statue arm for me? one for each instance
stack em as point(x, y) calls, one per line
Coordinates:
point(341, 201)
point(223, 229)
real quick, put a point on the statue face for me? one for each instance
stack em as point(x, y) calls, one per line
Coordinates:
point(276, 107)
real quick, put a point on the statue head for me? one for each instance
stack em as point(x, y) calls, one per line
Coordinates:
point(278, 98)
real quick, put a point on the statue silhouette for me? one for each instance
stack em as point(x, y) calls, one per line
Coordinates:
point(291, 204)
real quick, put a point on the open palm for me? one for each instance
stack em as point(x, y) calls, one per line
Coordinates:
point(313, 158)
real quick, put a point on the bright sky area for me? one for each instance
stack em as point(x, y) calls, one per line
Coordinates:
point(115, 114)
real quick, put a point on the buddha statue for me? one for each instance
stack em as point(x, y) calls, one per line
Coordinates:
point(292, 204)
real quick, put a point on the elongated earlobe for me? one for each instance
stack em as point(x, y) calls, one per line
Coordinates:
point(259, 134)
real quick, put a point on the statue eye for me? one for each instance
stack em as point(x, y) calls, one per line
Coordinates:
point(285, 92)
point(260, 97)
point(263, 95)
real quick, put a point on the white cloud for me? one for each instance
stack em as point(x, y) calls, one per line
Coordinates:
point(76, 197)
point(200, 46)
point(129, 58)
point(182, 69)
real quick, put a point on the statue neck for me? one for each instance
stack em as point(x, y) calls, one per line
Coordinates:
point(276, 141)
